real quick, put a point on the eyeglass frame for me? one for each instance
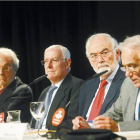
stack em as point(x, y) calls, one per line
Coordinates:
point(5, 67)
point(58, 60)
point(131, 69)
point(101, 54)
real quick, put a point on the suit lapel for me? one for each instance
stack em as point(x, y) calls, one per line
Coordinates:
point(113, 90)
point(129, 111)
point(90, 94)
point(7, 93)
point(58, 98)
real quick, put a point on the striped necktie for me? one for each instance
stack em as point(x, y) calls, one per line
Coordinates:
point(47, 102)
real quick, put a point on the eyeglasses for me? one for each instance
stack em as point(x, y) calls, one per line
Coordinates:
point(95, 56)
point(52, 61)
point(6, 68)
point(132, 68)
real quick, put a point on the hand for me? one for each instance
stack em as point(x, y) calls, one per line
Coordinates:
point(102, 122)
point(79, 123)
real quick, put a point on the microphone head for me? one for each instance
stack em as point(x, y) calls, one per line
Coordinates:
point(99, 74)
point(40, 78)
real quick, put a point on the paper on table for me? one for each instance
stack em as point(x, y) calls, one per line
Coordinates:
point(129, 134)
point(35, 131)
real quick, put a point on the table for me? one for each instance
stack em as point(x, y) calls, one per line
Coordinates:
point(130, 135)
point(32, 134)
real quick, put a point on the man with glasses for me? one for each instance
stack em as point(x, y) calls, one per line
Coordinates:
point(124, 115)
point(98, 94)
point(11, 86)
point(63, 87)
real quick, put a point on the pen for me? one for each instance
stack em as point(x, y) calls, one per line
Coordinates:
point(91, 121)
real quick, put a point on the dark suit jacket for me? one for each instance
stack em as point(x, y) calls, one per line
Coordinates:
point(88, 91)
point(66, 91)
point(21, 103)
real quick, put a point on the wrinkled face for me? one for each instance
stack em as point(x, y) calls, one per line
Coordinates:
point(131, 62)
point(106, 59)
point(55, 66)
point(7, 71)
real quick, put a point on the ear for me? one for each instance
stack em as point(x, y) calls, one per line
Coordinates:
point(117, 54)
point(68, 63)
point(15, 69)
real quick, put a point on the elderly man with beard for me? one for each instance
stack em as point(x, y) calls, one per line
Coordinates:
point(124, 115)
point(98, 94)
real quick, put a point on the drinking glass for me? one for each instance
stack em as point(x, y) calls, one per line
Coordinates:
point(13, 116)
point(37, 110)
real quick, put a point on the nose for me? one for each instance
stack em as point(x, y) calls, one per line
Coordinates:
point(128, 73)
point(100, 58)
point(49, 65)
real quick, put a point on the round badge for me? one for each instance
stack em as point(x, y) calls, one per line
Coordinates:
point(58, 116)
point(1, 117)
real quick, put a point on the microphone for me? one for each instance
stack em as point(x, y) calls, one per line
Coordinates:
point(34, 81)
point(38, 79)
point(59, 114)
point(93, 76)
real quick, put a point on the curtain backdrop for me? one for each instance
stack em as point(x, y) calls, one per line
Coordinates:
point(28, 27)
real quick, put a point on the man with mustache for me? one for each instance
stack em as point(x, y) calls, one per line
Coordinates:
point(98, 94)
point(124, 115)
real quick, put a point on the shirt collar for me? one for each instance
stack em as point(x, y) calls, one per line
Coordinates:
point(112, 75)
point(59, 83)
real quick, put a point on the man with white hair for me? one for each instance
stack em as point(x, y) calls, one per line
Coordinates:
point(11, 86)
point(98, 94)
point(63, 87)
point(124, 115)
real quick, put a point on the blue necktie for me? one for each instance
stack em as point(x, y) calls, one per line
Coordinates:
point(47, 102)
point(139, 112)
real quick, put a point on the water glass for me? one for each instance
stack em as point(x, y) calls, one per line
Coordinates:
point(13, 116)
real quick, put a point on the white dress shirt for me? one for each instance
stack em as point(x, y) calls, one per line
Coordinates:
point(137, 107)
point(53, 95)
point(107, 86)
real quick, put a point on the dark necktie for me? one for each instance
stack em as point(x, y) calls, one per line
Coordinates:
point(97, 104)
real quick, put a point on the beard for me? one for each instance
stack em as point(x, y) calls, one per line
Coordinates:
point(105, 66)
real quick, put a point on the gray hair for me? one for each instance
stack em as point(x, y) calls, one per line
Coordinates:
point(130, 42)
point(13, 54)
point(64, 50)
point(112, 40)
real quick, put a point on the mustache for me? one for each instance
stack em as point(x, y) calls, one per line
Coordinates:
point(103, 65)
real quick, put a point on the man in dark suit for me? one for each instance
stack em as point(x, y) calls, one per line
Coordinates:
point(57, 67)
point(102, 52)
point(11, 86)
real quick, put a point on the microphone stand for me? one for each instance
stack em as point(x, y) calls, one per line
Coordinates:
point(35, 81)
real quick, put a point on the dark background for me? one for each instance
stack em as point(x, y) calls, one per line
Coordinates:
point(28, 27)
